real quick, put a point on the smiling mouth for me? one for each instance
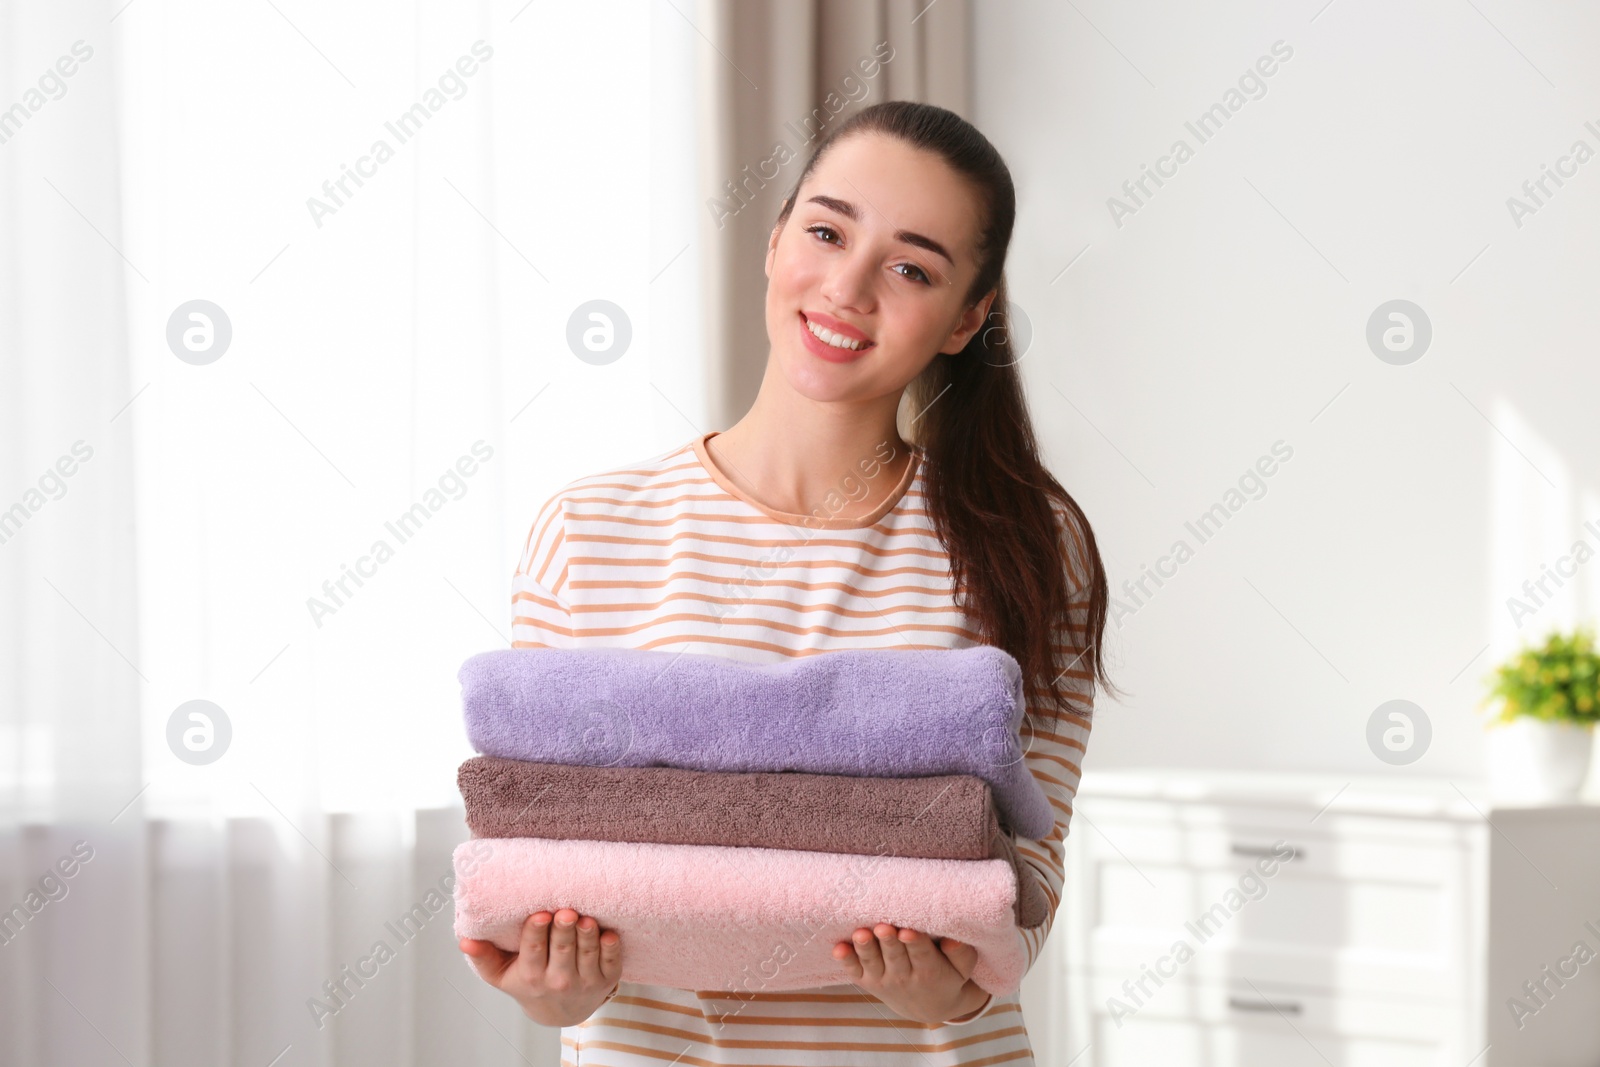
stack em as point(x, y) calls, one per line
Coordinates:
point(835, 340)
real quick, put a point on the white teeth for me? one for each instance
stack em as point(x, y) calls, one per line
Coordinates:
point(828, 337)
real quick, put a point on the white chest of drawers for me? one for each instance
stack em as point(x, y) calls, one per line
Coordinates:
point(1256, 920)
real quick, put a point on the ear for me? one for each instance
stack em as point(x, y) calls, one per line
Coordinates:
point(772, 245)
point(972, 320)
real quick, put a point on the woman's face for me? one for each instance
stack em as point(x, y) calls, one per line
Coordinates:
point(860, 256)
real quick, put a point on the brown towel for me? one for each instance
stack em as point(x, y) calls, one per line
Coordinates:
point(933, 817)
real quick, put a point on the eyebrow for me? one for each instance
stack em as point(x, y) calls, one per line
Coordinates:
point(848, 210)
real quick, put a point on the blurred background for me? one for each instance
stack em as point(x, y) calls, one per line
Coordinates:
point(1306, 289)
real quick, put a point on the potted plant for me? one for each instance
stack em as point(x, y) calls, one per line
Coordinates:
point(1547, 701)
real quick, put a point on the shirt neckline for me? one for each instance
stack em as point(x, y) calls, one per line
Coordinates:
point(703, 455)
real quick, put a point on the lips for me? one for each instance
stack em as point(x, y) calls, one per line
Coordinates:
point(838, 326)
point(821, 349)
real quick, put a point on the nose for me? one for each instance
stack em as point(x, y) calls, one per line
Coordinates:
point(849, 282)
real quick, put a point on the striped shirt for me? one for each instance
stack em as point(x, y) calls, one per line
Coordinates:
point(669, 553)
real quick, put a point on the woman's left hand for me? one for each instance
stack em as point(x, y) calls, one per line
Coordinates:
point(903, 968)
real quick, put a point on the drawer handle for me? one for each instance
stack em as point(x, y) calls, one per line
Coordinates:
point(1265, 851)
point(1288, 1007)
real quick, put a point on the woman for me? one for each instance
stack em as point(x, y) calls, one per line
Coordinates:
point(813, 525)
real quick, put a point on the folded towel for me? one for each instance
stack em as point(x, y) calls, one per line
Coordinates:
point(751, 919)
point(938, 817)
point(889, 713)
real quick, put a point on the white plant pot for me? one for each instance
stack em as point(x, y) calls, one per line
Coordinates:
point(1533, 761)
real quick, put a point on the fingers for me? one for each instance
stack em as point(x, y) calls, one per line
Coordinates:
point(921, 954)
point(561, 973)
point(533, 948)
point(611, 956)
point(886, 951)
point(844, 952)
point(962, 956)
point(588, 955)
point(556, 951)
point(486, 959)
point(869, 953)
point(896, 963)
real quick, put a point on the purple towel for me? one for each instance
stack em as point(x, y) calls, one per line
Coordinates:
point(888, 713)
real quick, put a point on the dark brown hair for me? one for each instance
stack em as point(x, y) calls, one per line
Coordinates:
point(989, 494)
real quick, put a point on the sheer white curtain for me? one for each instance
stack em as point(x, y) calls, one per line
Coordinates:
point(310, 526)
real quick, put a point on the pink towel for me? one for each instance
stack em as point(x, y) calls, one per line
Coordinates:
point(709, 917)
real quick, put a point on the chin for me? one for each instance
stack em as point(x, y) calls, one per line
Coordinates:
point(816, 379)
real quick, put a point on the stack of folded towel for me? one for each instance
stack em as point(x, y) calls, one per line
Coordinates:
point(733, 821)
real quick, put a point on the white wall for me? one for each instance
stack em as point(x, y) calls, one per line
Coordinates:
point(1229, 312)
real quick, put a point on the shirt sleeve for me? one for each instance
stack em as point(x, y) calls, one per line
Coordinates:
point(540, 616)
point(1054, 752)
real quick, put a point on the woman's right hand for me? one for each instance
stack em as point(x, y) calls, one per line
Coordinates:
point(562, 970)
